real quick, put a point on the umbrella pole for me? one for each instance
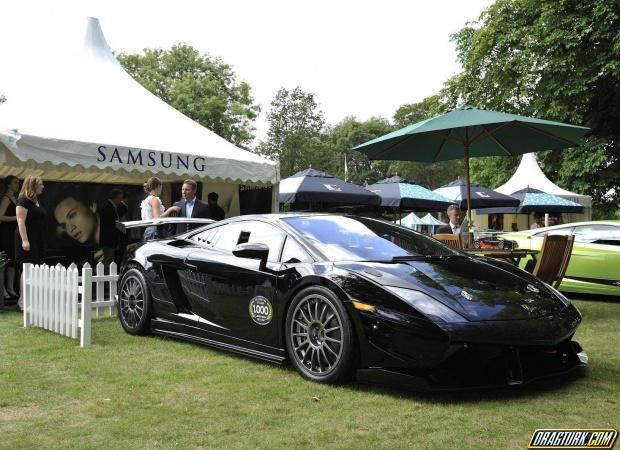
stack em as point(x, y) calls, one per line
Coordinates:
point(468, 187)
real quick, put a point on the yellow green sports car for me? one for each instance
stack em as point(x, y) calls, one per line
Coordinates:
point(594, 266)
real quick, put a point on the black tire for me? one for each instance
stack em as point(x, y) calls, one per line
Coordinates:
point(319, 335)
point(134, 303)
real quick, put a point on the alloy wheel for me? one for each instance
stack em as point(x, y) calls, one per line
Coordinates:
point(131, 301)
point(316, 334)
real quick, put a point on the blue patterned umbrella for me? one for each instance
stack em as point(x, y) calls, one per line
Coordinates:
point(481, 197)
point(534, 200)
point(398, 193)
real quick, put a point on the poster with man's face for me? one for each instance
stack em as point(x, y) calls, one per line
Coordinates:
point(73, 213)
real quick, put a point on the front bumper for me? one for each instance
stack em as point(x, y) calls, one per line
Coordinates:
point(426, 356)
point(483, 366)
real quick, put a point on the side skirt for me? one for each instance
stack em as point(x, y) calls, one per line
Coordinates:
point(171, 329)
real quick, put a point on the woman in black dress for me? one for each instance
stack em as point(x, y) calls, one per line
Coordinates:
point(29, 243)
point(8, 225)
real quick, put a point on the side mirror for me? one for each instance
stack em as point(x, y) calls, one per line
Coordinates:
point(253, 250)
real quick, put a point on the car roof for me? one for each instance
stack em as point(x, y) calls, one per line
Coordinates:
point(570, 225)
point(274, 217)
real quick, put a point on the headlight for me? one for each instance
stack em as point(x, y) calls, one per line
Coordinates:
point(427, 305)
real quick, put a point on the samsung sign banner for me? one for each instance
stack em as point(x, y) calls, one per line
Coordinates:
point(150, 158)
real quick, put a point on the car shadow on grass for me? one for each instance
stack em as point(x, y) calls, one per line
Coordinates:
point(535, 388)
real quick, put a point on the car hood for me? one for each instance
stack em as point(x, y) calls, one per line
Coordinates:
point(479, 289)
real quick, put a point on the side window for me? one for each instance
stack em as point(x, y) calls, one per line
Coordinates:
point(229, 236)
point(293, 252)
point(596, 233)
point(269, 235)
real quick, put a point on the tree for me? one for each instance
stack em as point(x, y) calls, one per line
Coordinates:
point(2, 98)
point(343, 137)
point(294, 137)
point(200, 86)
point(554, 60)
point(415, 112)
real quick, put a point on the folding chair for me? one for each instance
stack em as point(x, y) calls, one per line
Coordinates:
point(453, 240)
point(553, 258)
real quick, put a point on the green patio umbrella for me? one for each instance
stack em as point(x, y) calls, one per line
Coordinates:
point(470, 131)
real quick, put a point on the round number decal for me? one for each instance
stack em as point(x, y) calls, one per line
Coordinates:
point(261, 310)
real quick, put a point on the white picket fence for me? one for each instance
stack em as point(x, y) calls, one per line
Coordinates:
point(60, 300)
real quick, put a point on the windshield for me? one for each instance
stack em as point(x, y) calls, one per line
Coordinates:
point(342, 238)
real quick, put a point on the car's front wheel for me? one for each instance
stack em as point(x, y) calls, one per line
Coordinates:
point(134, 303)
point(319, 335)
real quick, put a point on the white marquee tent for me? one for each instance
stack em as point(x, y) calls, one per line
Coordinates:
point(529, 174)
point(76, 115)
point(411, 221)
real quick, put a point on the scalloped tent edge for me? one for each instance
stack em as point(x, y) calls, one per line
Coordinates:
point(81, 117)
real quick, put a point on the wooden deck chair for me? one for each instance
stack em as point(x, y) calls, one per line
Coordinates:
point(565, 261)
point(551, 258)
point(453, 240)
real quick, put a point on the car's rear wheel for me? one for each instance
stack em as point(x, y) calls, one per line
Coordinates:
point(134, 303)
point(319, 335)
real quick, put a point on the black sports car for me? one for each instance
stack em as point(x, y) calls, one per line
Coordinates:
point(336, 295)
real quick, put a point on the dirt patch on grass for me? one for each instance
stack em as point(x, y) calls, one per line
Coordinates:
point(12, 413)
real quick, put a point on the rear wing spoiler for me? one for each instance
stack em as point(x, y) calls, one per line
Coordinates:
point(136, 224)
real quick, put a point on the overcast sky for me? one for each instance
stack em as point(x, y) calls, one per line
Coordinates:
point(361, 58)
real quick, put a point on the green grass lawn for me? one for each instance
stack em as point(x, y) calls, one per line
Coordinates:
point(151, 392)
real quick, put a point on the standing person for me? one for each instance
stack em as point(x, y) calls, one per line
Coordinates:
point(217, 213)
point(109, 235)
point(29, 242)
point(152, 208)
point(454, 226)
point(190, 206)
point(123, 215)
point(8, 225)
point(123, 208)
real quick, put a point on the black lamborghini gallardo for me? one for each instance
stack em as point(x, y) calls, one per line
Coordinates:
point(338, 295)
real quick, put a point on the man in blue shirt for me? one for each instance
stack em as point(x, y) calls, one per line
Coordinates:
point(191, 206)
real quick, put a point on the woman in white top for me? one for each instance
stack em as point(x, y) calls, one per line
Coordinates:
point(152, 208)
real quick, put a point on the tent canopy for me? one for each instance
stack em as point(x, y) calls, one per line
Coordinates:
point(411, 221)
point(530, 175)
point(76, 115)
point(430, 220)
